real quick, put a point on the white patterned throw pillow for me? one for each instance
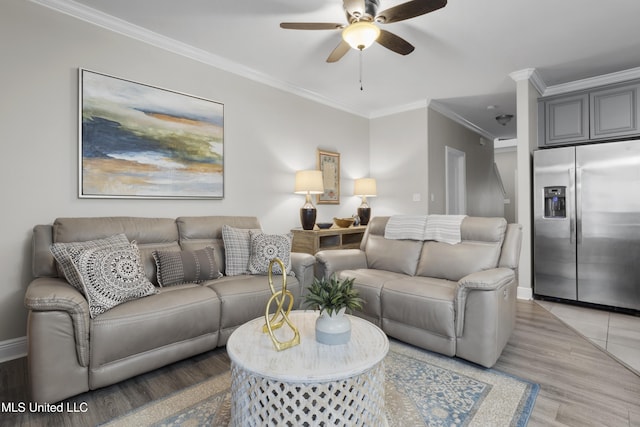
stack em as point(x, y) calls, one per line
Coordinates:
point(112, 276)
point(265, 247)
point(67, 255)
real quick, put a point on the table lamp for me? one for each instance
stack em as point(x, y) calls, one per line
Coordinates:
point(308, 182)
point(365, 187)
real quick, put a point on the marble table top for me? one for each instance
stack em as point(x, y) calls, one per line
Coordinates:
point(252, 350)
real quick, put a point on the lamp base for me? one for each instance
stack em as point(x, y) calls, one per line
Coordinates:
point(308, 218)
point(365, 215)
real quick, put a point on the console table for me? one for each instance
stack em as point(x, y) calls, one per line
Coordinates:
point(312, 241)
point(311, 383)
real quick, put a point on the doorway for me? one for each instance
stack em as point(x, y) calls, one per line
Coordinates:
point(456, 181)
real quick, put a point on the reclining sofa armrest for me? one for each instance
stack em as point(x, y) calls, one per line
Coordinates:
point(303, 266)
point(485, 281)
point(331, 261)
point(54, 294)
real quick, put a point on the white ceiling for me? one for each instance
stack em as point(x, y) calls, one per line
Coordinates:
point(463, 54)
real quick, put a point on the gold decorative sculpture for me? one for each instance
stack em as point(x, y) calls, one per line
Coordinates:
point(280, 316)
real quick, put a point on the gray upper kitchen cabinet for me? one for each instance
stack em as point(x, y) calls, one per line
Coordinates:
point(566, 119)
point(600, 114)
point(614, 112)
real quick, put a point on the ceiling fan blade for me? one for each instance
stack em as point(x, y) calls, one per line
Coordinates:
point(310, 26)
point(354, 8)
point(339, 51)
point(408, 10)
point(395, 43)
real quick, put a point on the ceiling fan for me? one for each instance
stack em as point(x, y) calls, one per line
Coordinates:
point(361, 32)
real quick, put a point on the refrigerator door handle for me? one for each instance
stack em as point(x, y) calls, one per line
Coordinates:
point(578, 210)
point(572, 202)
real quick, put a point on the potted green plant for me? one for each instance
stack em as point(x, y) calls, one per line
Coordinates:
point(333, 297)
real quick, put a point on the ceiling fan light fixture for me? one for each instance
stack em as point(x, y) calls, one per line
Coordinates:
point(503, 119)
point(360, 35)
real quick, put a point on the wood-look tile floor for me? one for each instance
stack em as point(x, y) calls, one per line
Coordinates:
point(618, 333)
point(580, 383)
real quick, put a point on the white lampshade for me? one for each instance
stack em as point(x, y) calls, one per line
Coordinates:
point(309, 182)
point(365, 187)
point(360, 35)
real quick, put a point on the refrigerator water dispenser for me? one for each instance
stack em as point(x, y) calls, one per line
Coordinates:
point(554, 202)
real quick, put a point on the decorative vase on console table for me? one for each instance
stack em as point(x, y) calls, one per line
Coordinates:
point(365, 187)
point(308, 182)
point(333, 297)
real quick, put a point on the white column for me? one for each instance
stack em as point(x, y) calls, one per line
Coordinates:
point(528, 89)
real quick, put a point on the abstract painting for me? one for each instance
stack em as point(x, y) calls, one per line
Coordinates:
point(141, 141)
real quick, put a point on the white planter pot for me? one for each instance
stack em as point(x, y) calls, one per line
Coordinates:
point(334, 329)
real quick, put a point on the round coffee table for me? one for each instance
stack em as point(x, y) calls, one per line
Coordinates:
point(311, 383)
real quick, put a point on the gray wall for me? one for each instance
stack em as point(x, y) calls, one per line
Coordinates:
point(269, 134)
point(408, 159)
point(505, 159)
point(484, 197)
point(399, 162)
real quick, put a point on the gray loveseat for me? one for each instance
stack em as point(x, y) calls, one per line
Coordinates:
point(454, 299)
point(70, 351)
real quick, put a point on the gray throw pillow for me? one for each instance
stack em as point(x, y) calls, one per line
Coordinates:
point(67, 255)
point(112, 276)
point(175, 267)
point(237, 249)
point(265, 247)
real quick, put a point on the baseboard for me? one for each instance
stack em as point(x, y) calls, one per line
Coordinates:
point(13, 349)
point(525, 293)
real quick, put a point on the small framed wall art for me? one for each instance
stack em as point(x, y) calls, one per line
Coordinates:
point(140, 141)
point(329, 164)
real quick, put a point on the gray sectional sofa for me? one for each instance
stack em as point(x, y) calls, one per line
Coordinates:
point(72, 349)
point(452, 299)
point(455, 299)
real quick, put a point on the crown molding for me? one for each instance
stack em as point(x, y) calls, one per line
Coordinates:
point(505, 145)
point(591, 82)
point(399, 109)
point(144, 35)
point(533, 76)
point(536, 80)
point(435, 105)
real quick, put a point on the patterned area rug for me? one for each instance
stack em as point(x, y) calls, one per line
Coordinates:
point(422, 389)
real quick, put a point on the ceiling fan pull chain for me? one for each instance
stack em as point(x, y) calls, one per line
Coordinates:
point(361, 69)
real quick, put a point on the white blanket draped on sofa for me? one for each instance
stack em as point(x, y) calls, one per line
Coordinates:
point(441, 228)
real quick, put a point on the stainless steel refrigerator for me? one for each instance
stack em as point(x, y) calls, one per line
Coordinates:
point(587, 223)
